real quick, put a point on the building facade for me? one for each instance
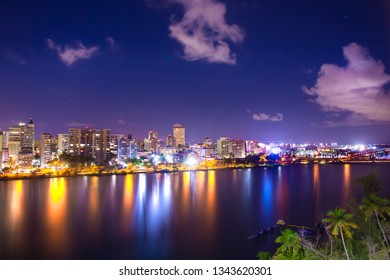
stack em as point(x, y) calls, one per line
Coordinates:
point(45, 149)
point(90, 143)
point(179, 132)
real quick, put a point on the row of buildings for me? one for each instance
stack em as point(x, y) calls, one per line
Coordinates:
point(19, 146)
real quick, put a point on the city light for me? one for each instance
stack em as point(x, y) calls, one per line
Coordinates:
point(191, 161)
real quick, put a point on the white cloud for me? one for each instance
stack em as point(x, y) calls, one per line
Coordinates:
point(265, 117)
point(357, 89)
point(70, 55)
point(203, 31)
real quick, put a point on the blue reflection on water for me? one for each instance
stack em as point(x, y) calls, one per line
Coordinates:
point(152, 215)
point(267, 194)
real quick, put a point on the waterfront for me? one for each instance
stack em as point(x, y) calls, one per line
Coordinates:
point(182, 215)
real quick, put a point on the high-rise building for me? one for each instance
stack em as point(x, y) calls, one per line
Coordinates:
point(101, 145)
point(114, 143)
point(21, 143)
point(63, 142)
point(3, 147)
point(123, 149)
point(90, 143)
point(14, 134)
point(45, 149)
point(179, 132)
point(2, 133)
point(236, 148)
point(27, 137)
point(223, 147)
point(127, 148)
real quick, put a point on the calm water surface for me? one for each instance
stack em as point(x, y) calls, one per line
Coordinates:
point(188, 215)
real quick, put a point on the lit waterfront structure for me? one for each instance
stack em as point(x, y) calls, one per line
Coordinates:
point(236, 148)
point(222, 147)
point(63, 142)
point(114, 143)
point(89, 143)
point(179, 132)
point(21, 143)
point(127, 148)
point(45, 149)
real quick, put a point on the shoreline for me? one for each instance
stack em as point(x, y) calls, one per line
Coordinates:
point(76, 173)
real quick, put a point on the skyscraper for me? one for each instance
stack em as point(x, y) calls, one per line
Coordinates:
point(90, 143)
point(21, 142)
point(45, 149)
point(222, 147)
point(179, 132)
point(236, 148)
point(63, 142)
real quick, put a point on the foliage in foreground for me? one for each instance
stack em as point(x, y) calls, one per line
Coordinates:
point(363, 233)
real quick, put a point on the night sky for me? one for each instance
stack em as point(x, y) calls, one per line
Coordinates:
point(284, 70)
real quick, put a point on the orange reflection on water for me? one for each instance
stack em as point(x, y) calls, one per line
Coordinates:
point(347, 181)
point(316, 187)
point(186, 200)
point(210, 202)
point(128, 197)
point(200, 183)
point(56, 215)
point(16, 204)
point(93, 200)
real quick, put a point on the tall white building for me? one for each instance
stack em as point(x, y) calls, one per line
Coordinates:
point(222, 147)
point(63, 142)
point(21, 143)
point(45, 149)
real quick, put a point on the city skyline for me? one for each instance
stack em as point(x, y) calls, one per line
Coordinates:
point(299, 72)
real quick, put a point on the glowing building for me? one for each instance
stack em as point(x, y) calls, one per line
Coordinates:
point(63, 142)
point(45, 149)
point(179, 132)
point(222, 147)
point(90, 143)
point(21, 143)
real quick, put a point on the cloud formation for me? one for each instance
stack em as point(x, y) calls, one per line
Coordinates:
point(203, 31)
point(70, 55)
point(265, 117)
point(357, 89)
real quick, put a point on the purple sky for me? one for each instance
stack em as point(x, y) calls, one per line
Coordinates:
point(296, 71)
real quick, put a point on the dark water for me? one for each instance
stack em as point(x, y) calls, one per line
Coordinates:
point(189, 215)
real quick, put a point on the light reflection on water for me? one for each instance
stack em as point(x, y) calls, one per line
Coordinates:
point(184, 215)
point(56, 227)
